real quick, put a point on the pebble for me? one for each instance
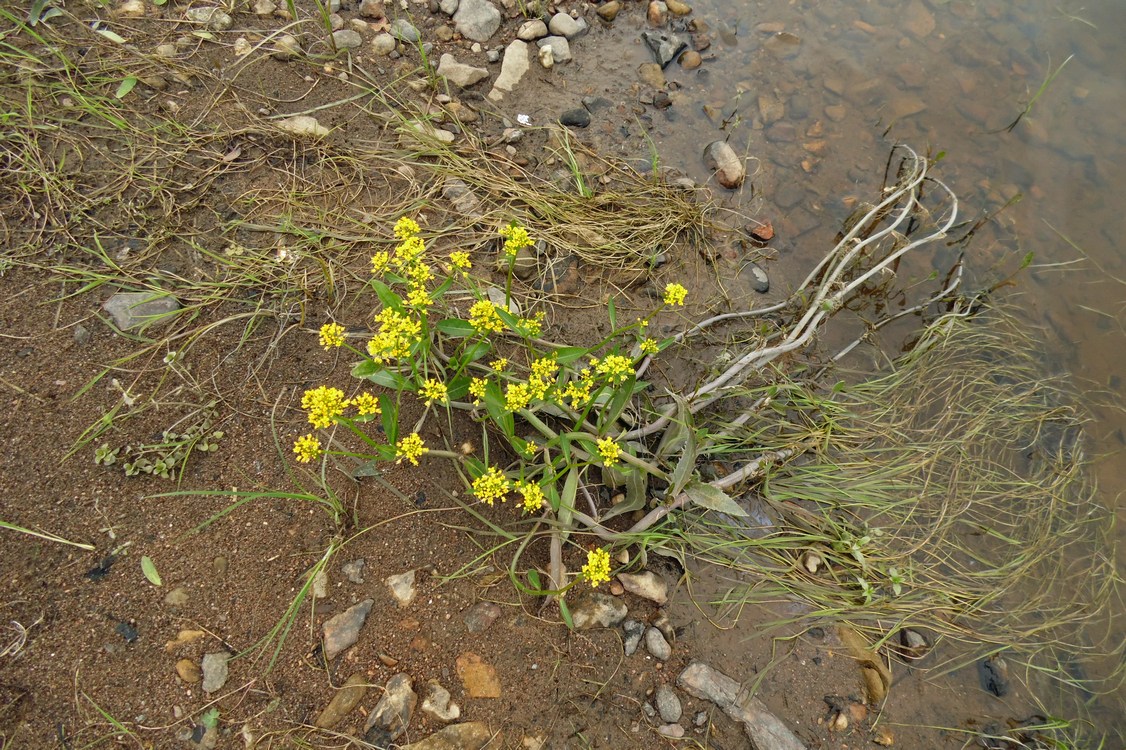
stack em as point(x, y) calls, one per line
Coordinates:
point(264, 7)
point(354, 571)
point(657, 645)
point(994, 674)
point(342, 631)
point(757, 277)
point(728, 167)
point(547, 60)
point(563, 25)
point(350, 694)
point(404, 31)
point(166, 51)
point(512, 69)
point(575, 118)
point(597, 611)
point(131, 310)
point(652, 74)
point(82, 333)
point(664, 46)
point(213, 18)
point(530, 31)
point(303, 126)
point(438, 705)
point(346, 39)
point(477, 20)
point(392, 715)
point(690, 60)
point(383, 44)
point(672, 731)
point(657, 13)
point(609, 11)
point(633, 630)
point(286, 47)
point(177, 597)
point(188, 671)
point(647, 585)
point(402, 587)
point(678, 8)
point(560, 48)
point(449, 7)
point(131, 9)
point(668, 704)
point(914, 645)
point(372, 9)
point(480, 616)
point(468, 735)
point(478, 677)
point(458, 73)
point(215, 671)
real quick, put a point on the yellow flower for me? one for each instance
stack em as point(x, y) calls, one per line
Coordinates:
point(515, 237)
point(324, 405)
point(408, 253)
point(649, 346)
point(491, 486)
point(532, 495)
point(597, 568)
point(434, 390)
point(516, 396)
point(332, 334)
point(397, 334)
point(460, 260)
point(675, 294)
point(533, 326)
point(542, 377)
point(405, 228)
point(379, 262)
point(419, 298)
point(307, 447)
point(477, 390)
point(366, 404)
point(609, 450)
point(615, 368)
point(411, 448)
point(483, 316)
point(579, 390)
point(499, 364)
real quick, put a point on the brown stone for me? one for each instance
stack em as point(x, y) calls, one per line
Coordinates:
point(477, 676)
point(188, 671)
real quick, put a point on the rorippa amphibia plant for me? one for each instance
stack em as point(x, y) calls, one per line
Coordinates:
point(442, 341)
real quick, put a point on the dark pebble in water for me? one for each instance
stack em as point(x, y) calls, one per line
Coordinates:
point(575, 118)
point(127, 631)
point(994, 674)
point(101, 570)
point(757, 278)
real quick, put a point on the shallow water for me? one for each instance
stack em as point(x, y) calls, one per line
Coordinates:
point(815, 91)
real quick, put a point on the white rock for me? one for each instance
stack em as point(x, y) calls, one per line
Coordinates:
point(560, 47)
point(212, 18)
point(512, 69)
point(460, 74)
point(131, 9)
point(303, 126)
point(346, 39)
point(728, 167)
point(438, 705)
point(402, 587)
point(547, 60)
point(242, 46)
point(647, 585)
point(530, 31)
point(383, 45)
point(286, 47)
point(477, 19)
point(264, 7)
point(563, 25)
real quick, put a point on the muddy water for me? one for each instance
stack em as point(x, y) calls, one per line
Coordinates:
point(815, 91)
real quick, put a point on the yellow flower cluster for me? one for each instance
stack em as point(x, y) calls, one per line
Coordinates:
point(433, 390)
point(615, 368)
point(307, 448)
point(515, 238)
point(532, 496)
point(397, 334)
point(532, 327)
point(542, 377)
point(477, 389)
point(411, 448)
point(324, 405)
point(332, 335)
point(649, 346)
point(517, 396)
point(597, 568)
point(460, 260)
point(499, 364)
point(609, 450)
point(675, 294)
point(491, 486)
point(579, 390)
point(405, 228)
point(366, 404)
point(483, 317)
point(379, 262)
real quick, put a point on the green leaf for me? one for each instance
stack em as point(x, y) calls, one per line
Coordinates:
point(210, 719)
point(386, 296)
point(110, 35)
point(475, 352)
point(494, 403)
point(534, 578)
point(149, 569)
point(565, 611)
point(390, 418)
point(509, 319)
point(686, 463)
point(568, 354)
point(713, 498)
point(389, 379)
point(125, 87)
point(365, 368)
point(458, 387)
point(455, 328)
point(612, 313)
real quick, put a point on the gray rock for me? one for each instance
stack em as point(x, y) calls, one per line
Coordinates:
point(575, 118)
point(563, 25)
point(672, 731)
point(470, 735)
point(354, 571)
point(477, 19)
point(449, 7)
point(464, 200)
point(912, 644)
point(728, 167)
point(657, 645)
point(404, 31)
point(215, 671)
point(346, 39)
point(647, 585)
point(393, 712)
point(383, 44)
point(757, 277)
point(131, 310)
point(481, 615)
point(762, 727)
point(372, 9)
point(402, 587)
point(341, 631)
point(598, 611)
point(524, 265)
point(560, 48)
point(530, 31)
point(167, 51)
point(264, 7)
point(633, 631)
point(437, 703)
point(81, 335)
point(668, 704)
point(286, 47)
point(516, 63)
point(213, 18)
point(460, 74)
point(343, 702)
point(493, 55)
point(664, 46)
